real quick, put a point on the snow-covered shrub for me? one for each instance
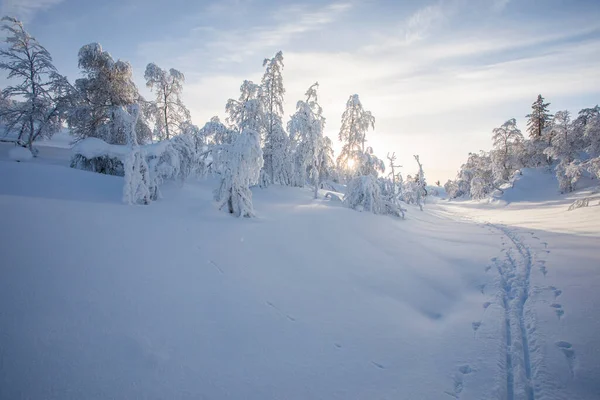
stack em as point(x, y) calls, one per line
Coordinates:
point(585, 202)
point(242, 162)
point(568, 174)
point(174, 159)
point(20, 153)
point(452, 189)
point(92, 154)
point(480, 188)
point(364, 194)
point(593, 167)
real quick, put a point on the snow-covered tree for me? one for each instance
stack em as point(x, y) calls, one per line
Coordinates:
point(420, 191)
point(327, 170)
point(507, 140)
point(587, 127)
point(355, 124)
point(369, 163)
point(306, 131)
point(276, 141)
point(242, 161)
point(215, 132)
point(34, 106)
point(107, 86)
point(452, 189)
point(247, 112)
point(138, 188)
point(395, 177)
point(364, 194)
point(563, 144)
point(170, 112)
point(539, 118)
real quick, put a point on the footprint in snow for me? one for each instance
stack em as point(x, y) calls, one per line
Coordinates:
point(377, 365)
point(558, 309)
point(214, 264)
point(273, 306)
point(475, 326)
point(544, 270)
point(557, 292)
point(486, 305)
point(481, 288)
point(567, 349)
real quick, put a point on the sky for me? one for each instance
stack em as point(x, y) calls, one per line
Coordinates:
point(437, 75)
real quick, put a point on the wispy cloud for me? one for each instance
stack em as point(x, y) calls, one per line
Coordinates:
point(499, 5)
point(25, 10)
point(236, 45)
point(419, 23)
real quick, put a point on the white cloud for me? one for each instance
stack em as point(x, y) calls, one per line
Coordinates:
point(419, 24)
point(25, 10)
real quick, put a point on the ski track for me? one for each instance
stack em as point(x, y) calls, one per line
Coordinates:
point(520, 343)
point(515, 273)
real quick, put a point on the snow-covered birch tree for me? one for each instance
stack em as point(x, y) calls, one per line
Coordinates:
point(276, 141)
point(34, 106)
point(306, 131)
point(247, 112)
point(170, 112)
point(355, 124)
point(241, 162)
point(107, 86)
point(137, 188)
point(507, 140)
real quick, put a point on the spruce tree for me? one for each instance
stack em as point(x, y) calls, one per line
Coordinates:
point(539, 118)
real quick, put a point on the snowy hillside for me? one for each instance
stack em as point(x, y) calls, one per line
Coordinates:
point(311, 300)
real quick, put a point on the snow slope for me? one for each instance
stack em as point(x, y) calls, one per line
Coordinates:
point(308, 301)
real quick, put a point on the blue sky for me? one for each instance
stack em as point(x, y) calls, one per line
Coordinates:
point(437, 75)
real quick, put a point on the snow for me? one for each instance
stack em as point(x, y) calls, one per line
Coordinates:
point(93, 147)
point(310, 300)
point(19, 153)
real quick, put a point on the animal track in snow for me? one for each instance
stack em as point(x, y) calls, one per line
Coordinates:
point(465, 369)
point(458, 381)
point(214, 264)
point(475, 325)
point(558, 309)
point(377, 365)
point(481, 288)
point(486, 305)
point(273, 306)
point(544, 270)
point(567, 349)
point(557, 292)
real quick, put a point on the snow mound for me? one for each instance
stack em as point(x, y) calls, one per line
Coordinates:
point(93, 147)
point(19, 153)
point(532, 185)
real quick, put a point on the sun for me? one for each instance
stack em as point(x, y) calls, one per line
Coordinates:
point(350, 163)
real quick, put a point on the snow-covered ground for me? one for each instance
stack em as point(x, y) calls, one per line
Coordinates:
point(310, 300)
